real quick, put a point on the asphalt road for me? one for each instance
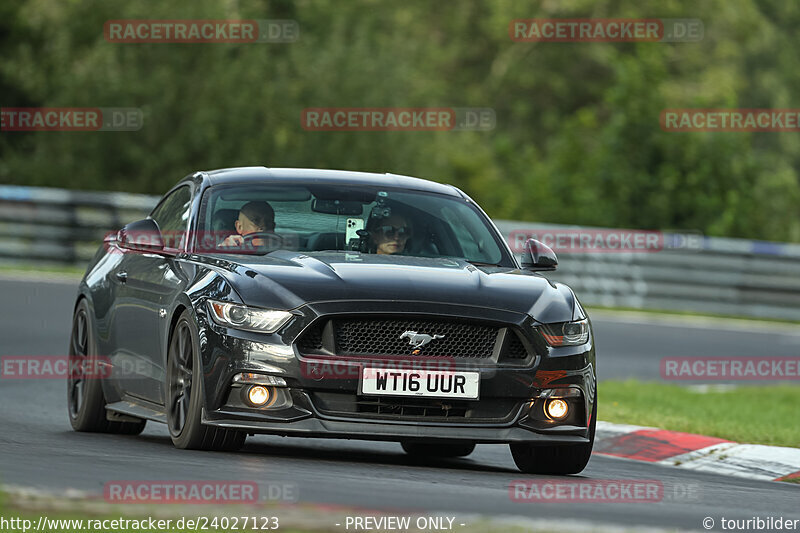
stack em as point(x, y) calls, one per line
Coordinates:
point(40, 450)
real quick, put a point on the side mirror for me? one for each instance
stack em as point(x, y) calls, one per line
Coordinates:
point(538, 256)
point(142, 235)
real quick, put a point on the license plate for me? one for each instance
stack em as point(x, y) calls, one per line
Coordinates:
point(424, 383)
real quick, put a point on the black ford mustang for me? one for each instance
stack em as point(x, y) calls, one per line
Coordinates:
point(332, 304)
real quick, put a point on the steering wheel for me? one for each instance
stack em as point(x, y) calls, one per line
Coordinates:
point(272, 241)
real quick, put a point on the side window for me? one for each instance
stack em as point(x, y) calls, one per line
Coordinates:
point(172, 214)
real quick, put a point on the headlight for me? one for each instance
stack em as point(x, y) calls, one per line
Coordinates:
point(566, 333)
point(248, 318)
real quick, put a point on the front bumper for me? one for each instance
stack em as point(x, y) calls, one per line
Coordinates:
point(506, 412)
point(316, 426)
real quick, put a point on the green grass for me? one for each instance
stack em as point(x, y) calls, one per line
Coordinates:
point(28, 269)
point(748, 414)
point(689, 314)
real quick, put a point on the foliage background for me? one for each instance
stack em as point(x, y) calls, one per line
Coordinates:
point(577, 139)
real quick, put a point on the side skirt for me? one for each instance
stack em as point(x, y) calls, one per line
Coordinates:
point(138, 409)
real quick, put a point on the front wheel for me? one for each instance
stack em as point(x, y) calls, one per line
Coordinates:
point(185, 395)
point(561, 460)
point(85, 401)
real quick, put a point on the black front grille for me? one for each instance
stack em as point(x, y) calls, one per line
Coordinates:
point(393, 337)
point(409, 408)
point(311, 341)
point(514, 348)
point(367, 337)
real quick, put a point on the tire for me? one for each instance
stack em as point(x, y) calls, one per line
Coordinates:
point(185, 395)
point(438, 449)
point(86, 404)
point(560, 460)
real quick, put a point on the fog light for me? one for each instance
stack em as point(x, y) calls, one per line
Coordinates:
point(258, 395)
point(557, 408)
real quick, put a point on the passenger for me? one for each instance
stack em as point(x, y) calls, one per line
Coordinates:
point(388, 235)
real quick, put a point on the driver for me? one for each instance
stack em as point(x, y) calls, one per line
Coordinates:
point(254, 217)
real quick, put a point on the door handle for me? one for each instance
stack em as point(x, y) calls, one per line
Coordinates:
point(122, 276)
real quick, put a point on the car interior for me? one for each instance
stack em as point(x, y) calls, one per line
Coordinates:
point(423, 242)
point(437, 231)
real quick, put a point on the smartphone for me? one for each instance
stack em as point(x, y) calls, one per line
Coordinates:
point(351, 233)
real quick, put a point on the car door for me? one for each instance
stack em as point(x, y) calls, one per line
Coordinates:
point(148, 284)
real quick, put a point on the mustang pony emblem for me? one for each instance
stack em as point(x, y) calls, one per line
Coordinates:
point(418, 340)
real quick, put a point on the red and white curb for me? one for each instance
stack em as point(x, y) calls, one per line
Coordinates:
point(697, 452)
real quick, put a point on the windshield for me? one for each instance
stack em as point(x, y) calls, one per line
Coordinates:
point(259, 219)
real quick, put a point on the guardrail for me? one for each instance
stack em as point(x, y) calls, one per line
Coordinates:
point(55, 226)
point(720, 276)
point(723, 276)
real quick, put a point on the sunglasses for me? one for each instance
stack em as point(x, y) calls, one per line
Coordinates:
point(391, 231)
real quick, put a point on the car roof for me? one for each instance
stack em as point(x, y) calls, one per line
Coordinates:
point(341, 177)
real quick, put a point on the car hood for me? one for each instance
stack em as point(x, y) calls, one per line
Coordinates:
point(287, 280)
